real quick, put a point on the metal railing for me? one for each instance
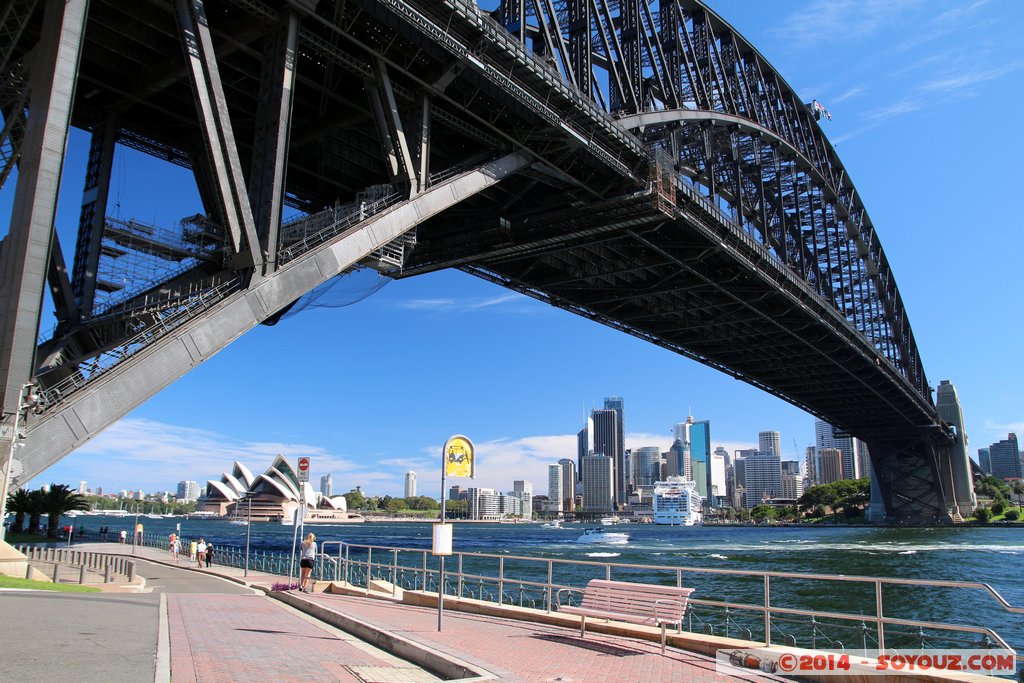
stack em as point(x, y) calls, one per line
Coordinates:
point(739, 603)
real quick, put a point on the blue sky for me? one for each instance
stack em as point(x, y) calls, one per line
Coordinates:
point(925, 96)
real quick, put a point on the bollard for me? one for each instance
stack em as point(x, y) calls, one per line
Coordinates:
point(56, 572)
point(106, 573)
point(131, 572)
point(81, 574)
point(28, 571)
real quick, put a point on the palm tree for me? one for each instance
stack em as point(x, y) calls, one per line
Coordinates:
point(20, 503)
point(59, 500)
point(36, 509)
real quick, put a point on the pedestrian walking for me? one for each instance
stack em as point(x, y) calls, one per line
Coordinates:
point(306, 558)
point(176, 549)
point(170, 543)
point(201, 552)
point(123, 536)
point(192, 551)
point(209, 555)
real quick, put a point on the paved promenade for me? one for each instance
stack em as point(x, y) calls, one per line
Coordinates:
point(220, 638)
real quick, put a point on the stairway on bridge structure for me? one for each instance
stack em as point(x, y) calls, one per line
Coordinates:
point(75, 406)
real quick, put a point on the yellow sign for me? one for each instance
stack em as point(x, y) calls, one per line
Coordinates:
point(458, 457)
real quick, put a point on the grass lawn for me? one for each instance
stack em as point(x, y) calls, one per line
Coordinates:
point(14, 582)
point(14, 539)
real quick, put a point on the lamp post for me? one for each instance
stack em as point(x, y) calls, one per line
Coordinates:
point(26, 400)
point(135, 529)
point(248, 525)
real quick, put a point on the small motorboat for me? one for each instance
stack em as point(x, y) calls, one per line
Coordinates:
point(557, 524)
point(602, 536)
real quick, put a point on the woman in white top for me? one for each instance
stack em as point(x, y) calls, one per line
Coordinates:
point(306, 558)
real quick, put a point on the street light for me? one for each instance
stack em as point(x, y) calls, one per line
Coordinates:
point(248, 525)
point(26, 399)
point(135, 529)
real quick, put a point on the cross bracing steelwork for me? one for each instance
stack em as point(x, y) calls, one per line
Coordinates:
point(656, 175)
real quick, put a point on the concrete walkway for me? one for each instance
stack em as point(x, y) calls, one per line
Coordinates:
point(223, 638)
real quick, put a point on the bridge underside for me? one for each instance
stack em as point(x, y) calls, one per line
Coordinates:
point(419, 135)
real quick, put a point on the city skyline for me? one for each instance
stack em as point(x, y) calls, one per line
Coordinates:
point(521, 369)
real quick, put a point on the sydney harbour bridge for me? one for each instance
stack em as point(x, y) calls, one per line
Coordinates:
point(635, 162)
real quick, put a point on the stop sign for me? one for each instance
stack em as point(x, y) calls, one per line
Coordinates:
point(303, 469)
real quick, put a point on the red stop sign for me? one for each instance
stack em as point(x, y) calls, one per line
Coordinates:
point(303, 464)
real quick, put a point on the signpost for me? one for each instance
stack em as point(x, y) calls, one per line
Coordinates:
point(458, 458)
point(300, 511)
point(303, 470)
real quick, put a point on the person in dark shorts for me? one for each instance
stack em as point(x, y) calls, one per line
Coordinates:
point(306, 558)
point(209, 555)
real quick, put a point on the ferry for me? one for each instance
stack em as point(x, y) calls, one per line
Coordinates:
point(602, 536)
point(677, 502)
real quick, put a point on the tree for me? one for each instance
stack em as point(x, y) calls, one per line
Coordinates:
point(37, 508)
point(763, 513)
point(355, 500)
point(983, 514)
point(1018, 490)
point(1012, 515)
point(20, 503)
point(816, 499)
point(395, 504)
point(57, 501)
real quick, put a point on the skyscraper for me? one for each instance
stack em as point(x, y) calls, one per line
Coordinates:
point(598, 483)
point(648, 470)
point(792, 483)
point(410, 484)
point(606, 442)
point(696, 438)
point(187, 491)
point(327, 485)
point(770, 443)
point(827, 436)
point(584, 445)
point(523, 490)
point(830, 465)
point(675, 461)
point(1004, 457)
point(985, 460)
point(555, 486)
point(764, 479)
point(621, 469)
point(568, 483)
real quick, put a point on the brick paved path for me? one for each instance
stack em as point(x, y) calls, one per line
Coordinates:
point(527, 651)
point(243, 638)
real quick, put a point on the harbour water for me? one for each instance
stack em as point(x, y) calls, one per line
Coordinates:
point(991, 555)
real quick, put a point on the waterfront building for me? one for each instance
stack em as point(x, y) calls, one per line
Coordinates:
point(139, 495)
point(829, 465)
point(770, 443)
point(82, 487)
point(985, 460)
point(187, 491)
point(676, 502)
point(523, 490)
point(488, 505)
point(568, 483)
point(1004, 458)
point(598, 483)
point(456, 492)
point(763, 478)
point(410, 484)
point(327, 485)
point(721, 450)
point(810, 466)
point(648, 470)
point(555, 487)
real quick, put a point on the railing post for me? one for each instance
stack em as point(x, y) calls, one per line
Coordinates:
point(369, 566)
point(459, 590)
point(767, 611)
point(394, 570)
point(424, 587)
point(346, 564)
point(548, 588)
point(879, 619)
point(501, 580)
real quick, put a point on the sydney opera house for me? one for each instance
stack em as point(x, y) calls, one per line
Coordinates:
point(274, 496)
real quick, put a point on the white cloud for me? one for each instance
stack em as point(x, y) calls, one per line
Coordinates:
point(508, 301)
point(824, 22)
point(850, 92)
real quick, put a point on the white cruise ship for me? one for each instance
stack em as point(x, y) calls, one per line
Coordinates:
point(677, 502)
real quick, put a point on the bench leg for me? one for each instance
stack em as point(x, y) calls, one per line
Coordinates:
point(583, 625)
point(663, 637)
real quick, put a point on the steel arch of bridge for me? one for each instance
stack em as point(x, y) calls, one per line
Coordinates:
point(638, 163)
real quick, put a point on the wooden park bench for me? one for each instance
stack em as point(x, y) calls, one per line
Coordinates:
point(634, 603)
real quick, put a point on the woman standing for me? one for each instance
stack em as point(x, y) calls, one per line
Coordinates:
point(306, 558)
